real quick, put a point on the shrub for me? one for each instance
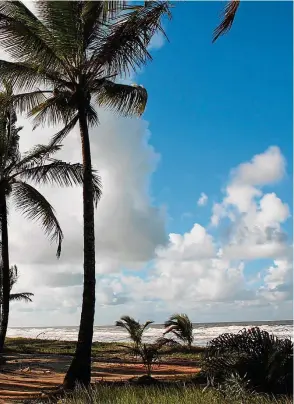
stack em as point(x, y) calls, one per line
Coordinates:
point(262, 361)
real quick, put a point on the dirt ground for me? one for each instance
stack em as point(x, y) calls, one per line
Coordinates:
point(26, 376)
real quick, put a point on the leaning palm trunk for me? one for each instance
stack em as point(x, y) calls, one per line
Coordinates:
point(5, 271)
point(80, 368)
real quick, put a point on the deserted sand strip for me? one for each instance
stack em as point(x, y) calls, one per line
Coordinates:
point(27, 376)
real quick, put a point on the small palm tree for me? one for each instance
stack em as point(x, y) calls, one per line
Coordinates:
point(134, 328)
point(36, 166)
point(65, 58)
point(181, 326)
point(229, 14)
point(149, 354)
point(23, 296)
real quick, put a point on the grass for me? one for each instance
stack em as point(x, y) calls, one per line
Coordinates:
point(175, 393)
point(156, 395)
point(103, 350)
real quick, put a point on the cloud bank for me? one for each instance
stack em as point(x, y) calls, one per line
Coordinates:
point(141, 270)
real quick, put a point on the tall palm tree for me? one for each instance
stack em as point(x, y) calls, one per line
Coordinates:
point(69, 54)
point(134, 328)
point(181, 326)
point(36, 166)
point(228, 17)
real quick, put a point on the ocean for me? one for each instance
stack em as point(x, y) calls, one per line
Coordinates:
point(203, 332)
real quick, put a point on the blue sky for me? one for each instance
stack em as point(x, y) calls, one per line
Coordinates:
point(213, 106)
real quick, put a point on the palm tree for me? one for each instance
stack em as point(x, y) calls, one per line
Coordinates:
point(181, 326)
point(134, 328)
point(13, 277)
point(23, 296)
point(70, 53)
point(36, 166)
point(229, 14)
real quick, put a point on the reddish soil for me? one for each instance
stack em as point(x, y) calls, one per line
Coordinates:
point(27, 376)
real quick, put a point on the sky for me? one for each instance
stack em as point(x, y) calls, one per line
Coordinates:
point(196, 213)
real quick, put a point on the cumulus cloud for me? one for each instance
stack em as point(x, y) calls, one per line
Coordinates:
point(128, 226)
point(264, 168)
point(255, 218)
point(140, 270)
point(202, 201)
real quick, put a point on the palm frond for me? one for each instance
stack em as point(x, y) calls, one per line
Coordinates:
point(91, 115)
point(62, 174)
point(125, 43)
point(25, 76)
point(34, 206)
point(25, 102)
point(63, 20)
point(95, 15)
point(58, 172)
point(25, 38)
point(144, 326)
point(24, 296)
point(61, 135)
point(229, 14)
point(54, 110)
point(181, 326)
point(34, 157)
point(122, 98)
point(13, 275)
point(97, 187)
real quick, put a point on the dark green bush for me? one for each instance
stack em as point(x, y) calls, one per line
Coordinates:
point(263, 361)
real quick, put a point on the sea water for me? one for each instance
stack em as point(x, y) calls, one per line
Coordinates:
point(203, 332)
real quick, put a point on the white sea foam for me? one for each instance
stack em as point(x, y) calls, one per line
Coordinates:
point(203, 333)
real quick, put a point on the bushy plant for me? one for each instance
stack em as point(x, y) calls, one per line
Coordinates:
point(263, 361)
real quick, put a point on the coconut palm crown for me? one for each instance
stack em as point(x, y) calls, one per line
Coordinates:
point(134, 328)
point(181, 326)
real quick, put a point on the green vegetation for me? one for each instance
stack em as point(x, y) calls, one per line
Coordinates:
point(103, 350)
point(134, 328)
point(252, 360)
point(159, 395)
point(249, 367)
point(181, 326)
point(13, 277)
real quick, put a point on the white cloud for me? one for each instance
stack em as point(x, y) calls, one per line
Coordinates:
point(255, 218)
point(128, 227)
point(193, 272)
point(264, 168)
point(202, 201)
point(157, 41)
point(278, 281)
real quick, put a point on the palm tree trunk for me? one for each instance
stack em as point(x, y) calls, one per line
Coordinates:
point(5, 271)
point(80, 368)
